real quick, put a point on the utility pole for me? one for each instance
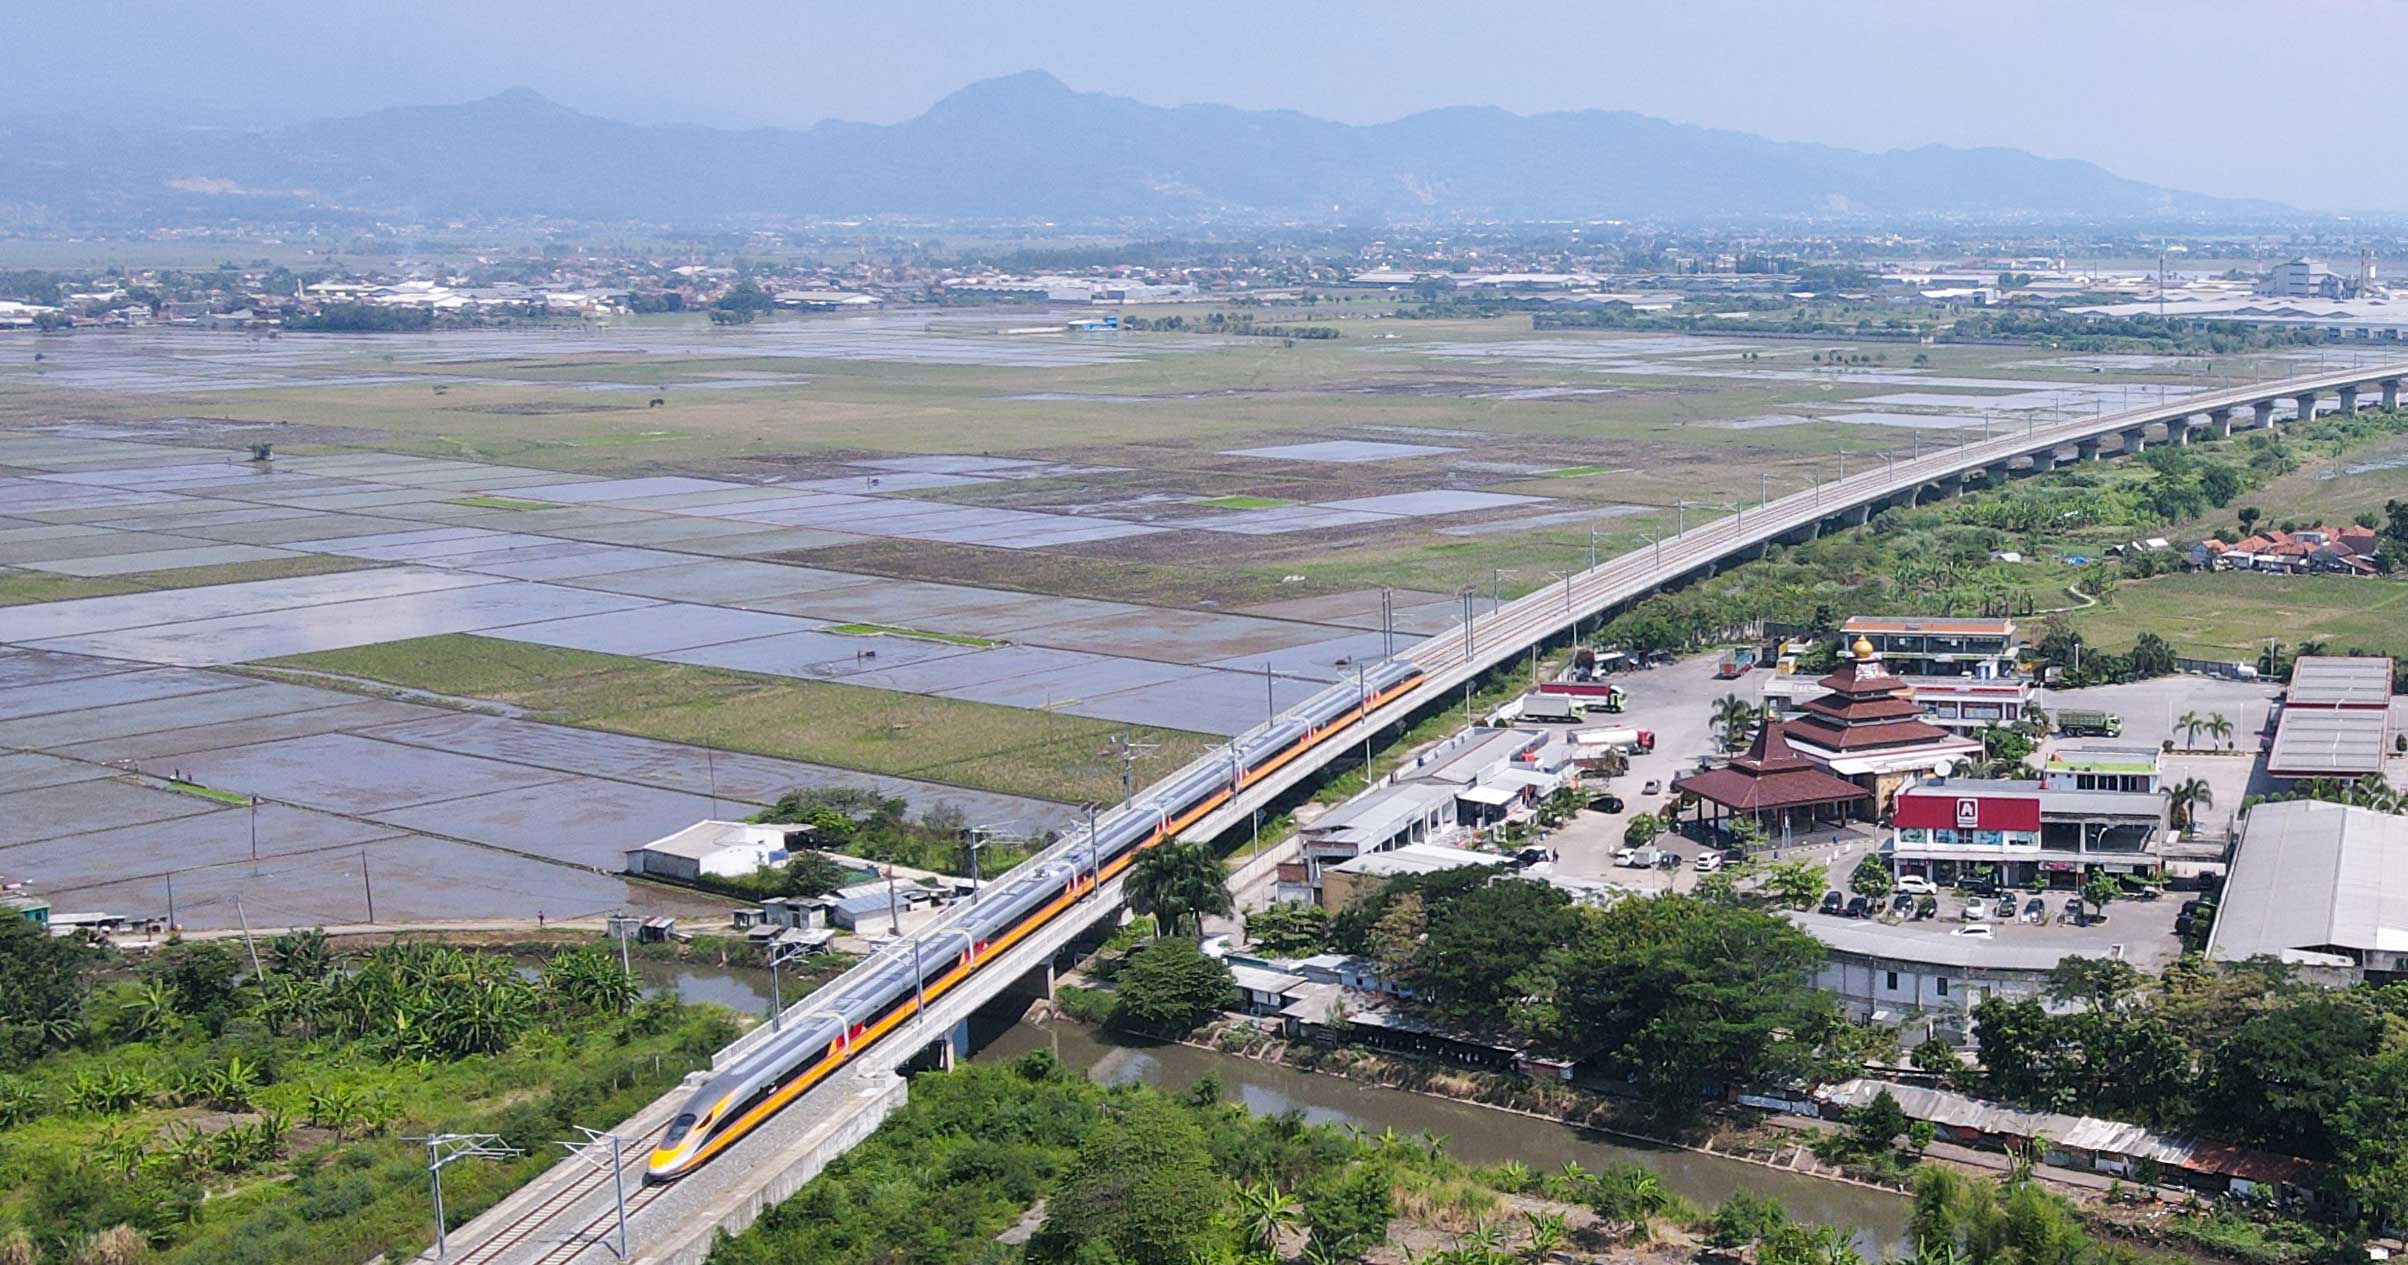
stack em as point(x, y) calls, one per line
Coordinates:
point(444, 1148)
point(781, 954)
point(976, 842)
point(1270, 699)
point(622, 928)
point(255, 836)
point(1095, 853)
point(710, 765)
point(589, 1153)
point(1388, 612)
point(1363, 697)
point(894, 919)
point(171, 902)
point(247, 942)
point(367, 887)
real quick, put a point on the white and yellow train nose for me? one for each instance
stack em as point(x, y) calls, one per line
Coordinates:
point(677, 1147)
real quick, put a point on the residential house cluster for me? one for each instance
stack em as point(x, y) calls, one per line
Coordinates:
point(2346, 550)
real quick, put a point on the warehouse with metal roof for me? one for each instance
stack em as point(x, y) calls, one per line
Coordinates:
point(2321, 885)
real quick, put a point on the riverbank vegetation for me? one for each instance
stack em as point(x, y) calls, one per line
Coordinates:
point(1132, 1175)
point(2244, 1053)
point(184, 1109)
point(1678, 994)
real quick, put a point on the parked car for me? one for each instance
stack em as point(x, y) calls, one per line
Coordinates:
point(2035, 910)
point(1670, 861)
point(1655, 786)
point(1832, 902)
point(2073, 909)
point(2006, 908)
point(1734, 856)
point(1926, 907)
point(1625, 856)
point(1977, 929)
point(1533, 856)
point(1975, 911)
point(1609, 803)
point(1708, 862)
point(1978, 886)
point(1917, 885)
point(1859, 907)
point(1902, 904)
point(2190, 909)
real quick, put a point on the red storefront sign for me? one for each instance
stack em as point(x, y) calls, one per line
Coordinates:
point(1949, 810)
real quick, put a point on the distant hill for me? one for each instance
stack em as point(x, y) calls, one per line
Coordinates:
point(1027, 147)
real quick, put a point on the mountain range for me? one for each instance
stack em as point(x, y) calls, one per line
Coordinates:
point(1026, 147)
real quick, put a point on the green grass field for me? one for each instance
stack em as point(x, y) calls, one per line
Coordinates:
point(1246, 502)
point(22, 588)
point(918, 634)
point(1007, 749)
point(499, 503)
point(2231, 614)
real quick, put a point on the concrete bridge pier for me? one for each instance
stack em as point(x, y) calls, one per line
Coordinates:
point(1858, 516)
point(2088, 448)
point(2178, 431)
point(2306, 400)
point(2135, 442)
point(2349, 401)
point(2265, 413)
point(2391, 393)
point(1811, 531)
point(2220, 420)
point(2044, 461)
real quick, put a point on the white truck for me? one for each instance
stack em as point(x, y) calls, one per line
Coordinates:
point(1628, 739)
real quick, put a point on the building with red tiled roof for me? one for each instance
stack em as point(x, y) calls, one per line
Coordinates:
point(1771, 783)
point(1870, 730)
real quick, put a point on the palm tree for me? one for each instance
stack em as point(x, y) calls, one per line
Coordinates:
point(2219, 728)
point(2186, 798)
point(1735, 717)
point(1178, 883)
point(1264, 1213)
point(2190, 725)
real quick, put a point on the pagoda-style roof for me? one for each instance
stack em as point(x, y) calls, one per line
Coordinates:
point(1863, 676)
point(1831, 735)
point(1770, 777)
point(1862, 710)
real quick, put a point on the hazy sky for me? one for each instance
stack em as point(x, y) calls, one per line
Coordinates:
point(2277, 98)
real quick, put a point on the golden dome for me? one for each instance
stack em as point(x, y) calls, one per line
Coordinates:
point(1864, 647)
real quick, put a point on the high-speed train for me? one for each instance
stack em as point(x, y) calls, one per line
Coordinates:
point(867, 1003)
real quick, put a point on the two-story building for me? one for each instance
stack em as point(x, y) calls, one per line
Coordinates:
point(2103, 766)
point(1918, 645)
point(2019, 832)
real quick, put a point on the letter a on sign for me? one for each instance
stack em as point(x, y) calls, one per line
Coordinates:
point(1969, 813)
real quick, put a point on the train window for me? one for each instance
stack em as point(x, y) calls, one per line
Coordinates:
point(678, 1129)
